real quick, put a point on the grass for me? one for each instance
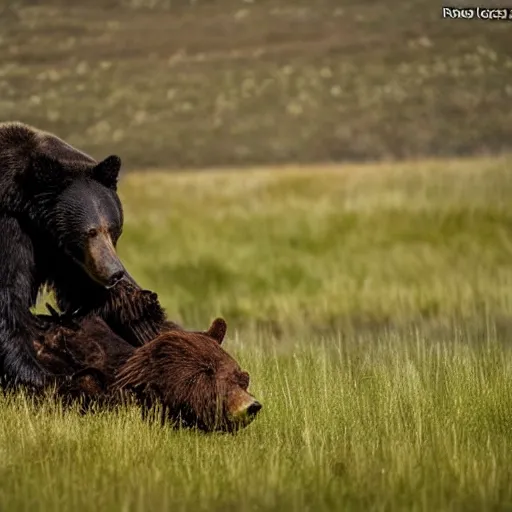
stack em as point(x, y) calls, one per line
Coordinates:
point(235, 82)
point(371, 306)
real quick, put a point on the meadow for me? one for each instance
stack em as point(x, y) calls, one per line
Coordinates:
point(371, 305)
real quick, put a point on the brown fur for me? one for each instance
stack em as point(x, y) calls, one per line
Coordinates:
point(189, 374)
point(82, 355)
point(195, 379)
point(133, 312)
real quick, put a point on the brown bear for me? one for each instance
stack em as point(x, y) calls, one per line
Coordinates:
point(196, 382)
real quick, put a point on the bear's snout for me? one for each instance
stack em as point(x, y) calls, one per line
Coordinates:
point(243, 408)
point(102, 262)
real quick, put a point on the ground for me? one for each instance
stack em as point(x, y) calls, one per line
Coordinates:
point(371, 306)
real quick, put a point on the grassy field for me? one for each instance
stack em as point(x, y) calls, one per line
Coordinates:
point(372, 306)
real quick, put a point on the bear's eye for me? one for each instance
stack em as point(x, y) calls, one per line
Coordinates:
point(92, 233)
point(244, 380)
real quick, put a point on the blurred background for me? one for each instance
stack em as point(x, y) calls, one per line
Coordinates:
point(198, 83)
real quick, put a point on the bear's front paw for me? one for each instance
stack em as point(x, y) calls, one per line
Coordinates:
point(66, 319)
point(149, 295)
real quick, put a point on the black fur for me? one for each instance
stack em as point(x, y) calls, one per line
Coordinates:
point(60, 219)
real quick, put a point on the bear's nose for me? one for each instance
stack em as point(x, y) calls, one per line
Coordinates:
point(115, 278)
point(254, 408)
point(245, 410)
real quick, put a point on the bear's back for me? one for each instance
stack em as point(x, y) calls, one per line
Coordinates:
point(25, 142)
point(21, 145)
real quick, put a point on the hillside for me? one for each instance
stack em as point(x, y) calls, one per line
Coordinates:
point(222, 82)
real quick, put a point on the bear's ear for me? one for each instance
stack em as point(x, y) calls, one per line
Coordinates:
point(107, 172)
point(217, 330)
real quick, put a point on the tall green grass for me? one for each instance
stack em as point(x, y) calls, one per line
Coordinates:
point(364, 424)
point(371, 307)
point(319, 249)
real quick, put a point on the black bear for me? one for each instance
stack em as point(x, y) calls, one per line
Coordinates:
point(60, 220)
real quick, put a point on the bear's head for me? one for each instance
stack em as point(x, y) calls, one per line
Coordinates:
point(195, 380)
point(82, 212)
